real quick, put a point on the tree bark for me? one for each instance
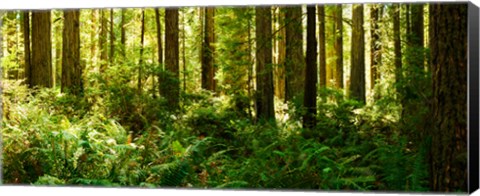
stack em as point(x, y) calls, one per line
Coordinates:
point(294, 61)
point(184, 59)
point(448, 47)
point(264, 74)
point(310, 98)
point(140, 60)
point(171, 85)
point(159, 45)
point(375, 44)
point(280, 68)
point(57, 42)
point(71, 68)
point(122, 33)
point(357, 76)
point(26, 40)
point(103, 41)
point(397, 41)
point(93, 33)
point(208, 73)
point(339, 46)
point(322, 55)
point(41, 69)
point(112, 39)
point(417, 35)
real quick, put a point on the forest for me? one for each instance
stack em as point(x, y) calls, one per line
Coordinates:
point(364, 97)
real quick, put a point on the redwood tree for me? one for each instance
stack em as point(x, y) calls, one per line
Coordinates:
point(357, 86)
point(71, 67)
point(26, 40)
point(339, 46)
point(264, 79)
point(448, 47)
point(322, 57)
point(208, 69)
point(41, 68)
point(294, 61)
point(170, 87)
point(310, 98)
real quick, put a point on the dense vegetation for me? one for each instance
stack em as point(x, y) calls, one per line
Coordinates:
point(214, 98)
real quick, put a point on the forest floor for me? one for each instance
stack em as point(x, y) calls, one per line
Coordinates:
point(114, 136)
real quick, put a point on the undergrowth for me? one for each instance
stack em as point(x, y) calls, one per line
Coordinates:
point(115, 136)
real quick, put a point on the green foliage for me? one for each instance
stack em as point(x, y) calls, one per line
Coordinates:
point(210, 144)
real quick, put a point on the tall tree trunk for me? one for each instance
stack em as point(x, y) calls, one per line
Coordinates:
point(184, 59)
point(310, 98)
point(250, 67)
point(294, 61)
point(57, 42)
point(280, 68)
point(159, 45)
point(397, 41)
point(171, 85)
point(112, 39)
point(140, 60)
point(339, 46)
point(41, 72)
point(264, 75)
point(417, 35)
point(448, 47)
point(375, 44)
point(93, 33)
point(26, 40)
point(330, 35)
point(122, 32)
point(103, 41)
point(322, 57)
point(357, 76)
point(71, 68)
point(208, 73)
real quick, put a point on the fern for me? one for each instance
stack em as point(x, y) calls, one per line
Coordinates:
point(171, 174)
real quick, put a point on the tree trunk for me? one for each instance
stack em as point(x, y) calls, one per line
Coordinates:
point(41, 70)
point(159, 45)
point(57, 42)
point(397, 41)
point(122, 33)
point(339, 46)
point(357, 76)
point(264, 79)
point(294, 61)
point(93, 33)
point(26, 40)
point(417, 35)
point(140, 60)
point(184, 59)
point(250, 67)
point(71, 68)
point(103, 41)
point(280, 68)
point(448, 47)
point(170, 85)
point(310, 98)
point(375, 44)
point(417, 25)
point(208, 48)
point(322, 58)
point(112, 39)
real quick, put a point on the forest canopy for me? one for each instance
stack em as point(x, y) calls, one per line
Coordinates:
point(331, 97)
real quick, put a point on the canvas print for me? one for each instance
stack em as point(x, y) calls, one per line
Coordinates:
point(335, 97)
